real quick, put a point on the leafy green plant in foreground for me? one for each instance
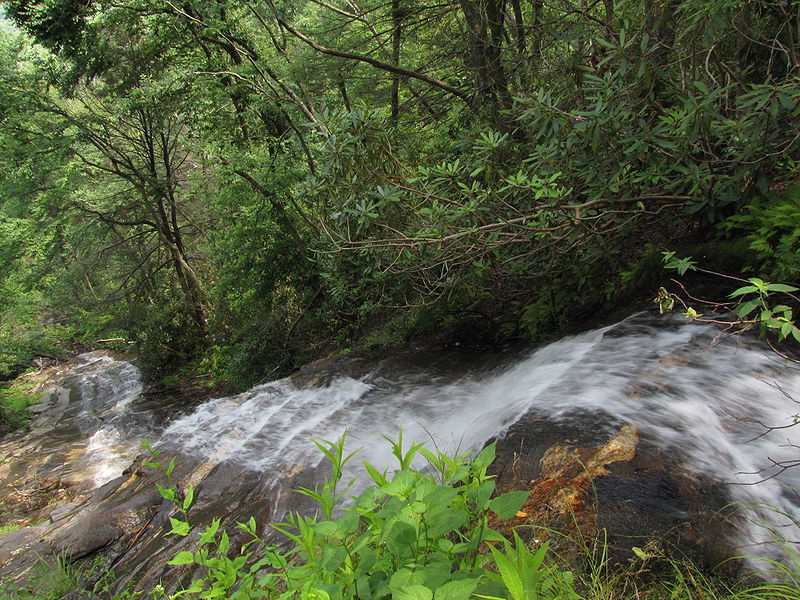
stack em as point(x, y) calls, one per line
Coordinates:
point(410, 535)
point(420, 534)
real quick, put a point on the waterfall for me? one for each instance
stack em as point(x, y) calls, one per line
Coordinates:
point(719, 406)
point(705, 399)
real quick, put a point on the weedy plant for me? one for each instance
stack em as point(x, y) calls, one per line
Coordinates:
point(418, 534)
point(752, 304)
point(52, 578)
point(15, 398)
point(411, 535)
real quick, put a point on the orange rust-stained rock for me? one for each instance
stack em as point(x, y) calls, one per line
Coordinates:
point(559, 495)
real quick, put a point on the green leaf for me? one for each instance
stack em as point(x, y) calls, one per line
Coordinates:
point(166, 493)
point(333, 558)
point(207, 536)
point(508, 505)
point(375, 475)
point(325, 528)
point(437, 573)
point(189, 498)
point(485, 458)
point(347, 523)
point(456, 590)
point(402, 485)
point(404, 578)
point(748, 289)
point(413, 592)
point(480, 495)
point(316, 593)
point(666, 144)
point(450, 520)
point(224, 544)
point(746, 308)
point(441, 496)
point(182, 558)
point(179, 527)
point(781, 287)
point(508, 573)
point(170, 468)
point(491, 535)
point(679, 264)
point(402, 534)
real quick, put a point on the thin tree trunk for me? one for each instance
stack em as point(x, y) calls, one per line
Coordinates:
point(397, 33)
point(484, 20)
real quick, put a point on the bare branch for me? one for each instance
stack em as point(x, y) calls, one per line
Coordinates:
point(377, 63)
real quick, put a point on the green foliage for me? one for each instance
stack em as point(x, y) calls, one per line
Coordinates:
point(225, 189)
point(772, 227)
point(636, 278)
point(24, 335)
point(546, 314)
point(15, 398)
point(164, 335)
point(757, 298)
point(52, 578)
point(754, 303)
point(419, 533)
point(681, 265)
point(411, 534)
point(9, 527)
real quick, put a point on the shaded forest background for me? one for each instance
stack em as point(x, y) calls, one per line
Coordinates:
point(232, 188)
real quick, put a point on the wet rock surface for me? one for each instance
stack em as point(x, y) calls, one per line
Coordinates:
point(603, 481)
point(588, 426)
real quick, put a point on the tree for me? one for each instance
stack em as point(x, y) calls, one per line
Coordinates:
point(356, 157)
point(140, 147)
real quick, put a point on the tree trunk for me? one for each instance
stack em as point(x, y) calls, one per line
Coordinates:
point(397, 32)
point(484, 21)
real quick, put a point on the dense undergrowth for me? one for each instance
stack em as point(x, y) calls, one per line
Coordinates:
point(233, 190)
point(15, 398)
point(422, 532)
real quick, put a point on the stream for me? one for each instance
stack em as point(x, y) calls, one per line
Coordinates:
point(707, 412)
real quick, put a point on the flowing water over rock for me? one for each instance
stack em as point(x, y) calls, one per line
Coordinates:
point(84, 433)
point(643, 428)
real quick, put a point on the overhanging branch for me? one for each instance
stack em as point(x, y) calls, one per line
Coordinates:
point(397, 70)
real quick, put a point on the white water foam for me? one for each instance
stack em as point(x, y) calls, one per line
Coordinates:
point(705, 404)
point(106, 387)
point(107, 455)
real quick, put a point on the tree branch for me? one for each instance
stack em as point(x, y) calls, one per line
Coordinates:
point(377, 63)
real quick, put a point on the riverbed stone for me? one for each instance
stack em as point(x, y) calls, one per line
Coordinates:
point(595, 482)
point(587, 474)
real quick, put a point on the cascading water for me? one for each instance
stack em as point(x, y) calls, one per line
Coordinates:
point(707, 406)
point(106, 393)
point(703, 400)
point(78, 438)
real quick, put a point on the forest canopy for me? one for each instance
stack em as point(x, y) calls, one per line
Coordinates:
point(235, 187)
